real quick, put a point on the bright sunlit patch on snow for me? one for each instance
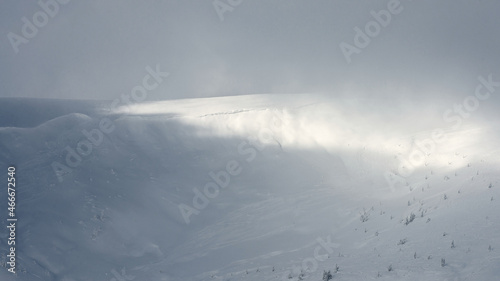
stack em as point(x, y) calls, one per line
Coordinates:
point(296, 121)
point(368, 135)
point(459, 147)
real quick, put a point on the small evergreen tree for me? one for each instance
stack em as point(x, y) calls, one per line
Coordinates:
point(302, 274)
point(364, 216)
point(409, 219)
point(327, 275)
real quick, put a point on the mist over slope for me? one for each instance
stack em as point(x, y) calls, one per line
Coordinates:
point(262, 187)
point(14, 111)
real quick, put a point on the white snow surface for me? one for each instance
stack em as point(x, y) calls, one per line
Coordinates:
point(310, 168)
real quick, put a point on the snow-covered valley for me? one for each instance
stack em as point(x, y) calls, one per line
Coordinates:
point(259, 187)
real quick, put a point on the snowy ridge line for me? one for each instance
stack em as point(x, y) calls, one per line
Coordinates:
point(219, 104)
point(54, 122)
point(231, 112)
point(170, 115)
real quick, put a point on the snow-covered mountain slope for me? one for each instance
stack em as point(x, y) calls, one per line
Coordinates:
point(262, 187)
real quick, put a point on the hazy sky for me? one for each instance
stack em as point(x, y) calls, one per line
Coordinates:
point(100, 49)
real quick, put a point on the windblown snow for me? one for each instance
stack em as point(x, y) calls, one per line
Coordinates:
point(259, 187)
